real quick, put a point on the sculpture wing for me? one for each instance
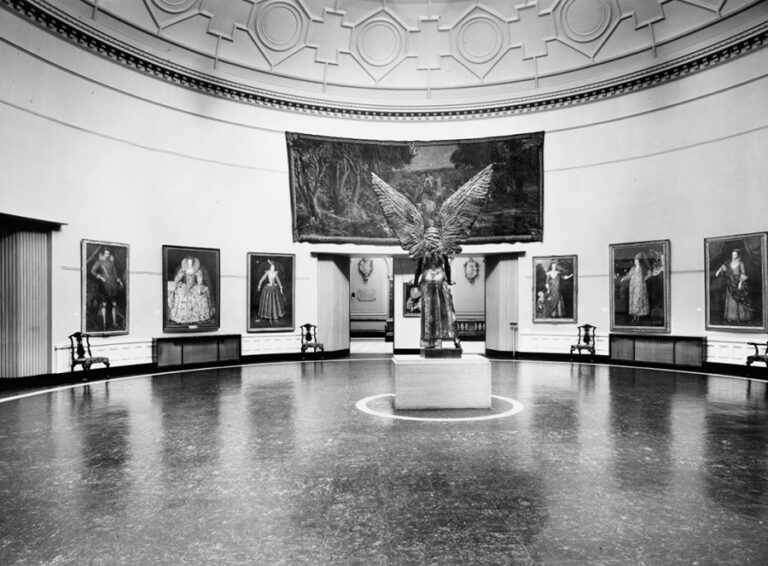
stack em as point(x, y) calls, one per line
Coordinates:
point(402, 216)
point(460, 211)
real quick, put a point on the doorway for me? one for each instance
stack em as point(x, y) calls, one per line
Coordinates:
point(371, 304)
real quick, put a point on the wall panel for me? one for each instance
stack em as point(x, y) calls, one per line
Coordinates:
point(501, 287)
point(25, 310)
point(333, 302)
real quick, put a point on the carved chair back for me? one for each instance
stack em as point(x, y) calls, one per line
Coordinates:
point(80, 352)
point(309, 338)
point(585, 340)
point(587, 335)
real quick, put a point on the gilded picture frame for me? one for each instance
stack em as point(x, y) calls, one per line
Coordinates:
point(555, 289)
point(736, 282)
point(105, 281)
point(191, 287)
point(271, 292)
point(640, 286)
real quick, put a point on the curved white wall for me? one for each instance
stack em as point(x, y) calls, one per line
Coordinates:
point(119, 156)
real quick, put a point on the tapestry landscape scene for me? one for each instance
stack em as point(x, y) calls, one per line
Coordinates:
point(333, 200)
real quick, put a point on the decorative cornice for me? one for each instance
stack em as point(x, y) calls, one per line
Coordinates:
point(123, 54)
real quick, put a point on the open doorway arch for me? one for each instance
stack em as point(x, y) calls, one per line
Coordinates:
point(371, 303)
point(501, 304)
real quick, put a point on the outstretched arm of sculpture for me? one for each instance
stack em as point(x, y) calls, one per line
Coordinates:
point(447, 269)
point(419, 269)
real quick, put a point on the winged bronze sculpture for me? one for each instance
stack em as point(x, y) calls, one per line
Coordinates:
point(431, 241)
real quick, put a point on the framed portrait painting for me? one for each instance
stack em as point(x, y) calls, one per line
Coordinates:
point(640, 290)
point(554, 288)
point(190, 289)
point(270, 292)
point(411, 300)
point(736, 280)
point(104, 287)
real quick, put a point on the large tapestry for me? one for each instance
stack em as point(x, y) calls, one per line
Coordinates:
point(333, 200)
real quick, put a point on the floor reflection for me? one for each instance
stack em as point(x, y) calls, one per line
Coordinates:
point(640, 408)
point(273, 464)
point(735, 469)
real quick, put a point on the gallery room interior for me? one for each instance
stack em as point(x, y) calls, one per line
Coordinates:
point(213, 224)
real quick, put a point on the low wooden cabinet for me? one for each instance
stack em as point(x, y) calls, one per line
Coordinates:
point(689, 351)
point(190, 350)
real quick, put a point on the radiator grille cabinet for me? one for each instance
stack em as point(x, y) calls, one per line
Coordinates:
point(168, 352)
point(229, 350)
point(654, 350)
point(192, 350)
point(688, 351)
point(622, 348)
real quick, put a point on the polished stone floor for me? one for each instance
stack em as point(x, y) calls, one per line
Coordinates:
point(278, 464)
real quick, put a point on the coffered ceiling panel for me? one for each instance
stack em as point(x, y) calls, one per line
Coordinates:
point(407, 55)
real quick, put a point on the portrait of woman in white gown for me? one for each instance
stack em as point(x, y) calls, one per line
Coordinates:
point(191, 284)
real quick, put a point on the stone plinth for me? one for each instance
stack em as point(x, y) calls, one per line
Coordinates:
point(435, 383)
point(441, 352)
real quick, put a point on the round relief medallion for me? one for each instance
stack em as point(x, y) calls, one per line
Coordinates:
point(279, 26)
point(174, 6)
point(585, 20)
point(479, 39)
point(379, 42)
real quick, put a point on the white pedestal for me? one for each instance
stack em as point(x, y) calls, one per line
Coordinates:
point(435, 383)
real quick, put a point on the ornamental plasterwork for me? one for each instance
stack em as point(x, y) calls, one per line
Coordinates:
point(435, 57)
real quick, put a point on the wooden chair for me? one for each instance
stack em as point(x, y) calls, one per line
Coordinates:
point(585, 341)
point(309, 339)
point(757, 356)
point(80, 352)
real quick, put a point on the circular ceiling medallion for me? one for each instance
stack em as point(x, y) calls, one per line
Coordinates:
point(585, 20)
point(279, 26)
point(174, 6)
point(379, 42)
point(479, 39)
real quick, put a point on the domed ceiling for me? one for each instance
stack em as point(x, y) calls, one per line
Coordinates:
point(409, 58)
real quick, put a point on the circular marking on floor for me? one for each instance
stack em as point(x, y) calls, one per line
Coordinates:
point(362, 405)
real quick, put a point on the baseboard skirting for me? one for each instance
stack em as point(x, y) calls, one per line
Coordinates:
point(68, 378)
point(735, 370)
point(98, 374)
